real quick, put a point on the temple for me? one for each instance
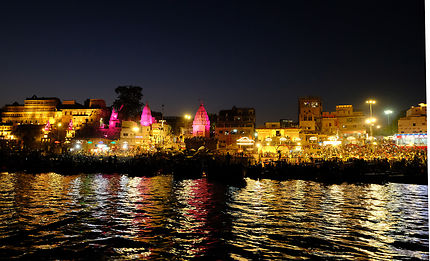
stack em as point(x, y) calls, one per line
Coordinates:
point(146, 118)
point(201, 123)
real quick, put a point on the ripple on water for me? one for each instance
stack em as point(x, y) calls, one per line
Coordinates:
point(97, 216)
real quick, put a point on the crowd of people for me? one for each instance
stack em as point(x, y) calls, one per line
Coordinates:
point(368, 152)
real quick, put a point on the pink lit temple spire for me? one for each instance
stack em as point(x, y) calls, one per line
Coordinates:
point(146, 118)
point(113, 119)
point(201, 123)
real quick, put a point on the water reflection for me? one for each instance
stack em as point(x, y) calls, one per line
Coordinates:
point(97, 216)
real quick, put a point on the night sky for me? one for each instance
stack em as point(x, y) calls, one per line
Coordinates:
point(263, 55)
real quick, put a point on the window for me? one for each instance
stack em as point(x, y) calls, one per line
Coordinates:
point(125, 134)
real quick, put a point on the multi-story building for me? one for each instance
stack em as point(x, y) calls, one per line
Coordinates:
point(329, 123)
point(288, 123)
point(415, 120)
point(350, 122)
point(40, 110)
point(344, 122)
point(80, 115)
point(234, 124)
point(310, 114)
point(274, 138)
point(6, 131)
point(35, 110)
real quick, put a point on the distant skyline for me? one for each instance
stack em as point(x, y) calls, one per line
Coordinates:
point(244, 54)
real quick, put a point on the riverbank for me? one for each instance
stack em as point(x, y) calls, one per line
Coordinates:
point(221, 168)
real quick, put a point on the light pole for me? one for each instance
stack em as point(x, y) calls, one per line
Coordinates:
point(371, 120)
point(388, 112)
point(58, 131)
point(187, 123)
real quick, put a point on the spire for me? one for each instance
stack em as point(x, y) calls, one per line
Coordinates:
point(201, 123)
point(146, 118)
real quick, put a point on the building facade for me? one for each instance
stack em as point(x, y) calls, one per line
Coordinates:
point(40, 110)
point(35, 110)
point(415, 120)
point(344, 122)
point(234, 124)
point(310, 114)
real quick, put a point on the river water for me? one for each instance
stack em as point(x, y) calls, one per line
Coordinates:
point(51, 216)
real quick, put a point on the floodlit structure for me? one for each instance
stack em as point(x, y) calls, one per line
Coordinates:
point(40, 110)
point(344, 122)
point(146, 119)
point(415, 120)
point(310, 114)
point(201, 123)
point(35, 110)
point(234, 124)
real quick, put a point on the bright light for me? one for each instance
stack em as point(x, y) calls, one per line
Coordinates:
point(370, 120)
point(378, 127)
point(258, 145)
point(77, 146)
point(59, 124)
point(387, 112)
point(283, 139)
point(136, 129)
point(187, 117)
point(245, 141)
point(370, 101)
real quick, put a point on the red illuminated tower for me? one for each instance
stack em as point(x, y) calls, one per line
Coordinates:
point(201, 123)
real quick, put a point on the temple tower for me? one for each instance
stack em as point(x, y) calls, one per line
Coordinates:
point(146, 118)
point(201, 123)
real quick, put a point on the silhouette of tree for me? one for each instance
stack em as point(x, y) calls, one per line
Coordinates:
point(130, 98)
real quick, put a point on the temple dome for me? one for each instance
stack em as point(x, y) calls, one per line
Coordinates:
point(201, 123)
point(146, 118)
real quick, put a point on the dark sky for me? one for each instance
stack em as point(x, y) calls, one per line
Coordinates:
point(249, 54)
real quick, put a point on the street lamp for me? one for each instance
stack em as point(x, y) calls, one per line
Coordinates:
point(371, 121)
point(370, 102)
point(388, 112)
point(187, 124)
point(58, 130)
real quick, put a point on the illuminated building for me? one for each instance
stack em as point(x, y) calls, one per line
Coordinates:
point(146, 119)
point(288, 123)
point(272, 137)
point(81, 115)
point(40, 110)
point(234, 124)
point(329, 123)
point(310, 114)
point(157, 134)
point(344, 122)
point(201, 123)
point(6, 131)
point(415, 120)
point(35, 110)
point(350, 122)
